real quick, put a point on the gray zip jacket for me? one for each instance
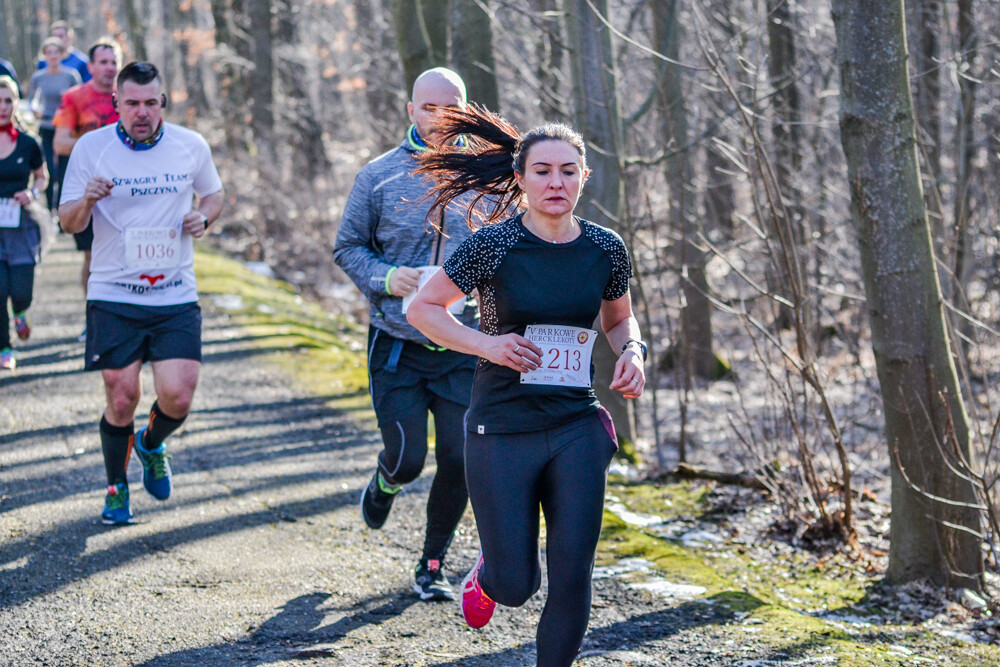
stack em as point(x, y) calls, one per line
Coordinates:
point(384, 226)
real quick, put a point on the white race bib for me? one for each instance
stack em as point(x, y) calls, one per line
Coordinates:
point(425, 274)
point(153, 248)
point(10, 213)
point(566, 355)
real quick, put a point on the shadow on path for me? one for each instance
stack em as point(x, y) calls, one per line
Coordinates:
point(294, 633)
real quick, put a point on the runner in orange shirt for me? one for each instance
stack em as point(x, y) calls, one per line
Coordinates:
point(84, 108)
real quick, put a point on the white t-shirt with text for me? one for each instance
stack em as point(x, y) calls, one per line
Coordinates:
point(140, 253)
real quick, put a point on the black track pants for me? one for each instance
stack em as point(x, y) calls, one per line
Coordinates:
point(17, 283)
point(408, 382)
point(564, 471)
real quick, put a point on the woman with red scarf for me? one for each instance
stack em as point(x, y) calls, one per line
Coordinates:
point(21, 165)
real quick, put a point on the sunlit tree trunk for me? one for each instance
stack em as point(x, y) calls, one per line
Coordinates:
point(924, 414)
point(598, 119)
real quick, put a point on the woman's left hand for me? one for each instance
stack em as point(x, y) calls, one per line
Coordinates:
point(629, 376)
point(24, 197)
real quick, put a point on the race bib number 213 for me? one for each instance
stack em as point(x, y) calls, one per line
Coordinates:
point(566, 353)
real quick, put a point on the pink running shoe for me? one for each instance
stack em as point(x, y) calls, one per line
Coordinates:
point(477, 607)
point(21, 326)
point(7, 360)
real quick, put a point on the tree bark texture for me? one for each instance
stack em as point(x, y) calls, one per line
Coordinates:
point(965, 146)
point(136, 30)
point(549, 56)
point(262, 74)
point(421, 36)
point(381, 74)
point(472, 52)
point(787, 228)
point(598, 120)
point(926, 423)
point(697, 355)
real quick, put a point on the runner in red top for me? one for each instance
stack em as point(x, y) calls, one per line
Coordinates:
point(84, 108)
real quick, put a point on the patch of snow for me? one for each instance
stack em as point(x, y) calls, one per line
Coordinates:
point(228, 301)
point(666, 589)
point(630, 517)
point(261, 269)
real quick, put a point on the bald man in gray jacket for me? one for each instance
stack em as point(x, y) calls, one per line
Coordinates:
point(388, 248)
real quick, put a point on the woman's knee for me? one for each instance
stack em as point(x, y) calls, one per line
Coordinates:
point(512, 586)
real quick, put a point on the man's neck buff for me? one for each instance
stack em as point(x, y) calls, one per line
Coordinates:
point(143, 145)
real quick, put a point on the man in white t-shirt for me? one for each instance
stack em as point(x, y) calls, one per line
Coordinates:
point(140, 179)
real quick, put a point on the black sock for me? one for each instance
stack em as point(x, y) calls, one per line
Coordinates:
point(116, 443)
point(160, 426)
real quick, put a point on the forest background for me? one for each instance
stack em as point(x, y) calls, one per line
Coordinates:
point(809, 191)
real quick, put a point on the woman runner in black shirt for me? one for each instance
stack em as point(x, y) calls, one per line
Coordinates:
point(537, 436)
point(20, 237)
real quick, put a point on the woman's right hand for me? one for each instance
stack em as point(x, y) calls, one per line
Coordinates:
point(513, 351)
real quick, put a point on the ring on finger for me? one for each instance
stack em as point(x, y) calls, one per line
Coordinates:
point(516, 348)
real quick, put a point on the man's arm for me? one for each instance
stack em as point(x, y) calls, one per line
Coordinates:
point(63, 141)
point(209, 206)
point(74, 215)
point(353, 250)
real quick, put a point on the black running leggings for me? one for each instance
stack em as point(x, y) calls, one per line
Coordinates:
point(17, 283)
point(563, 470)
point(402, 459)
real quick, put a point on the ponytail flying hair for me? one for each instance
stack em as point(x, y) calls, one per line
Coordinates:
point(486, 161)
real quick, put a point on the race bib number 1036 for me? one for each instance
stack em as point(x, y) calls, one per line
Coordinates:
point(566, 353)
point(156, 248)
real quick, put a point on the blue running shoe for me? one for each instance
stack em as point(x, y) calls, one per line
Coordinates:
point(155, 467)
point(116, 509)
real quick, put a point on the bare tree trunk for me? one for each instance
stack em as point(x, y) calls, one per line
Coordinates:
point(421, 36)
point(386, 114)
point(696, 353)
point(300, 128)
point(232, 71)
point(924, 19)
point(472, 52)
point(787, 235)
point(598, 119)
point(549, 56)
point(136, 30)
point(262, 75)
point(933, 533)
point(719, 195)
point(965, 147)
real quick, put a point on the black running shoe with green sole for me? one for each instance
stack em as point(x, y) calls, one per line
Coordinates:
point(376, 503)
point(430, 582)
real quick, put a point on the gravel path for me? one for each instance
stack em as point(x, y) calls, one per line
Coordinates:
point(259, 556)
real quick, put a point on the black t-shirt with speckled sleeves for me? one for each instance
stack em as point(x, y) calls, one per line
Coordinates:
point(524, 280)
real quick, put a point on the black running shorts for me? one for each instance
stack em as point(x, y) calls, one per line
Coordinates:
point(119, 334)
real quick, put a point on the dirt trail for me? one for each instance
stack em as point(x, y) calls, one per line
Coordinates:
point(259, 556)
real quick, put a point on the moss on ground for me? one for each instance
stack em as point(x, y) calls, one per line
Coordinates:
point(769, 601)
point(324, 352)
point(773, 601)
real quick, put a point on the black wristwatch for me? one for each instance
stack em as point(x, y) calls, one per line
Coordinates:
point(642, 347)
